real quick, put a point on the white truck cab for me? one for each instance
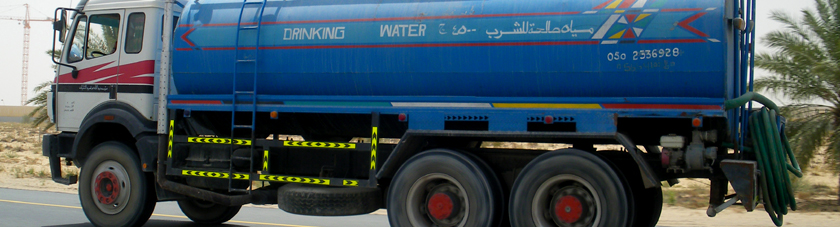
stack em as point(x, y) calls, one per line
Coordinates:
point(110, 56)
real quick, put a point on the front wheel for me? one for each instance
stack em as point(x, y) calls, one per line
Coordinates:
point(568, 188)
point(113, 191)
point(207, 213)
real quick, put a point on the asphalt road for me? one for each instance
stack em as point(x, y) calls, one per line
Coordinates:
point(36, 208)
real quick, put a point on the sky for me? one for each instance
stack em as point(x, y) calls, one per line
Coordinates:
point(11, 41)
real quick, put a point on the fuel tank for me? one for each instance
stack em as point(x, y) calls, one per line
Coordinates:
point(490, 48)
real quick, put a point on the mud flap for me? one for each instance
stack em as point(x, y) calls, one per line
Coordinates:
point(743, 177)
point(50, 148)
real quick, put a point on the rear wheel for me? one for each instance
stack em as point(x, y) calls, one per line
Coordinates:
point(113, 191)
point(568, 188)
point(444, 188)
point(207, 213)
point(647, 202)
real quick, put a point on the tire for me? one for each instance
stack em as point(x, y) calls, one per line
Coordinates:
point(648, 206)
point(113, 190)
point(647, 202)
point(328, 201)
point(207, 213)
point(568, 187)
point(444, 188)
point(151, 200)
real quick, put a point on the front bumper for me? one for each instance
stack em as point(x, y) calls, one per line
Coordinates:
point(57, 146)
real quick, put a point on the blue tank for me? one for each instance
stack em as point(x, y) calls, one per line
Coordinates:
point(491, 48)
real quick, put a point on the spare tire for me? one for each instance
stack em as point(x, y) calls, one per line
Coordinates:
point(328, 201)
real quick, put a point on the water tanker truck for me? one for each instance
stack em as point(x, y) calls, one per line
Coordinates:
point(332, 108)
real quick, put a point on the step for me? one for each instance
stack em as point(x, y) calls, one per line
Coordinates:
point(243, 126)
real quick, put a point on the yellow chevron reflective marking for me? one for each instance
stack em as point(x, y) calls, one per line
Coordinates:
point(171, 135)
point(265, 160)
point(236, 176)
point(319, 144)
point(350, 183)
point(218, 140)
point(304, 180)
point(374, 142)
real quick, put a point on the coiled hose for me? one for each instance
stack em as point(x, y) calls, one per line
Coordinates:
point(772, 152)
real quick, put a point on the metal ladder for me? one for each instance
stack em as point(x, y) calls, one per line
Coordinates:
point(246, 57)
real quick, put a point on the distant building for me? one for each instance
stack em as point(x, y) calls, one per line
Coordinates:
point(15, 113)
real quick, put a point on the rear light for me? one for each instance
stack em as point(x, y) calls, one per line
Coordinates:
point(697, 122)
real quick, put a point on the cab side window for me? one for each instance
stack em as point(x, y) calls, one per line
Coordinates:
point(103, 33)
point(78, 41)
point(134, 33)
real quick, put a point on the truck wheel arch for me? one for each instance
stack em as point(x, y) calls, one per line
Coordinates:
point(116, 119)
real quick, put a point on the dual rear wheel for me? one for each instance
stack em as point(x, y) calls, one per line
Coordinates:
point(568, 188)
point(560, 188)
point(444, 188)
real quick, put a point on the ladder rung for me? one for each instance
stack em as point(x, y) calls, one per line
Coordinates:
point(241, 158)
point(249, 27)
point(243, 126)
point(249, 3)
point(246, 60)
point(244, 92)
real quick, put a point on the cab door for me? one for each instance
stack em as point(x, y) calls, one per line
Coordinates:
point(138, 60)
point(93, 48)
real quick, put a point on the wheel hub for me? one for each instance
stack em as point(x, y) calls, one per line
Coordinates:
point(107, 188)
point(568, 209)
point(444, 205)
point(572, 206)
point(110, 187)
point(441, 205)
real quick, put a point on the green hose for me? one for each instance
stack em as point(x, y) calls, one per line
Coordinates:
point(772, 152)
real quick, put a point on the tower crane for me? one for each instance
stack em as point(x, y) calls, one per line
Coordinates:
point(25, 68)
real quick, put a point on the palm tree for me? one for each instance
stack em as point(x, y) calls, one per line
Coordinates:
point(39, 115)
point(805, 67)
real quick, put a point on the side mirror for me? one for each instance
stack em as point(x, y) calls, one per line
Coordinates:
point(60, 26)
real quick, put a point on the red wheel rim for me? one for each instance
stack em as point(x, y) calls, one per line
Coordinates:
point(107, 187)
point(440, 206)
point(572, 205)
point(445, 205)
point(568, 209)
